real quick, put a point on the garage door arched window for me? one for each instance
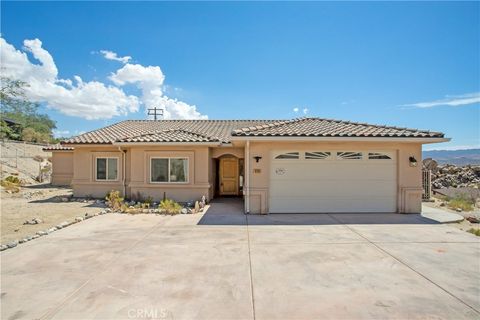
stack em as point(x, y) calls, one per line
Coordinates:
point(317, 155)
point(378, 156)
point(349, 155)
point(288, 156)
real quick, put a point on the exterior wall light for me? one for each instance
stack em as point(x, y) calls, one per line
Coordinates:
point(413, 161)
point(257, 158)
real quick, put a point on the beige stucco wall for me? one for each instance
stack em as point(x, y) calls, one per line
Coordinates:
point(62, 168)
point(201, 170)
point(137, 172)
point(409, 188)
point(83, 182)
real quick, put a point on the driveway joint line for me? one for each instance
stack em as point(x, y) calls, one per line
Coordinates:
point(250, 266)
point(408, 266)
point(51, 313)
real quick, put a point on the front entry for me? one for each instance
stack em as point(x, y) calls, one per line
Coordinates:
point(228, 176)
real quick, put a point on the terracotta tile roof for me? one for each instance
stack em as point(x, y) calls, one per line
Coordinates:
point(57, 147)
point(214, 130)
point(171, 135)
point(316, 127)
point(223, 130)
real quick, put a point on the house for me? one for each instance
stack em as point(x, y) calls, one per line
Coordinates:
point(278, 166)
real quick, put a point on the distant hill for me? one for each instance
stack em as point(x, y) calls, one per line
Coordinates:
point(456, 157)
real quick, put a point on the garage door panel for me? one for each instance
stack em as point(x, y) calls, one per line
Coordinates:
point(323, 171)
point(333, 188)
point(333, 185)
point(331, 205)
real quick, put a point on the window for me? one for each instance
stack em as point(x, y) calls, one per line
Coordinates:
point(349, 155)
point(319, 155)
point(169, 170)
point(288, 155)
point(378, 156)
point(107, 169)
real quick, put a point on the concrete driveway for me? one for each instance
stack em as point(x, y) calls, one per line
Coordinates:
point(225, 265)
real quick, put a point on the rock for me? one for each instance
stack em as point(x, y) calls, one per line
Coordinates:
point(78, 219)
point(144, 210)
point(64, 199)
point(12, 244)
point(108, 210)
point(35, 236)
point(22, 240)
point(29, 238)
point(443, 204)
point(52, 230)
point(103, 212)
point(184, 211)
point(473, 219)
point(42, 233)
point(459, 210)
point(3, 247)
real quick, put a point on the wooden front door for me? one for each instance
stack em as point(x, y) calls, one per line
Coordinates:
point(228, 176)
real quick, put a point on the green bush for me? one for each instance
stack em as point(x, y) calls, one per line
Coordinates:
point(11, 183)
point(474, 231)
point(170, 206)
point(461, 201)
point(114, 200)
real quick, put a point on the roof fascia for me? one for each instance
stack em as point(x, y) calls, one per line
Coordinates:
point(341, 139)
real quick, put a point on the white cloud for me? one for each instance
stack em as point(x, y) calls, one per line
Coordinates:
point(110, 55)
point(295, 109)
point(453, 101)
point(150, 80)
point(89, 100)
point(61, 133)
point(305, 110)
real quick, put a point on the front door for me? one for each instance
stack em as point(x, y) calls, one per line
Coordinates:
point(228, 176)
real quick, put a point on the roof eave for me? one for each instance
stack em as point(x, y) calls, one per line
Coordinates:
point(423, 140)
point(209, 144)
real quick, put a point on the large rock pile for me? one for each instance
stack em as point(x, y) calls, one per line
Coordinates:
point(451, 176)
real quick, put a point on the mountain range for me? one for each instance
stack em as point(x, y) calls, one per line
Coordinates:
point(456, 157)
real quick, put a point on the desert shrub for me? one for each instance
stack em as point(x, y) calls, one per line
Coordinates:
point(461, 201)
point(474, 231)
point(114, 200)
point(170, 206)
point(11, 183)
point(12, 179)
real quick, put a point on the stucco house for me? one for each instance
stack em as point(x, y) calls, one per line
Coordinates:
point(278, 166)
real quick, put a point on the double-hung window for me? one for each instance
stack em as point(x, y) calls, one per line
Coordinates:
point(106, 169)
point(169, 170)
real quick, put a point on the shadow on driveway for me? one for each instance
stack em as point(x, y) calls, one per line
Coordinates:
point(229, 211)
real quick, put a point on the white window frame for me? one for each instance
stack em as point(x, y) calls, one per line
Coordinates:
point(170, 182)
point(387, 153)
point(330, 157)
point(106, 168)
point(362, 153)
point(300, 156)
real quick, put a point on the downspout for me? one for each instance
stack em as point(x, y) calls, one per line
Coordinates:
point(123, 170)
point(247, 177)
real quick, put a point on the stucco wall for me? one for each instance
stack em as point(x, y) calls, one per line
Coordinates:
point(409, 189)
point(62, 168)
point(198, 178)
point(83, 182)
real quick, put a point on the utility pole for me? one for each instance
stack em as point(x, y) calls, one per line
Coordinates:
point(155, 112)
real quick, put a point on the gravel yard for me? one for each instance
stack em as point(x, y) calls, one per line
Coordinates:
point(43, 202)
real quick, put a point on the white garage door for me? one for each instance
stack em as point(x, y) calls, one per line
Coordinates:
point(333, 181)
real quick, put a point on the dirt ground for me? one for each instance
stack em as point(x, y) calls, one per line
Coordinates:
point(464, 225)
point(41, 201)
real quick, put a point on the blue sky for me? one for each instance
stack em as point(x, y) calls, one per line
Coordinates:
point(406, 64)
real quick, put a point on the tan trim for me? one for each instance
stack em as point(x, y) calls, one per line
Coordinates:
point(180, 144)
point(336, 139)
